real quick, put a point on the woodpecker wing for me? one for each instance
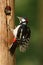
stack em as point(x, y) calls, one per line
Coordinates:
point(15, 31)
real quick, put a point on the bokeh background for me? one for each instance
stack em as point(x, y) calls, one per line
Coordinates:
point(33, 9)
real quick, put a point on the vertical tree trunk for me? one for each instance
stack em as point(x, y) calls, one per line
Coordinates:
point(6, 37)
point(40, 19)
point(40, 15)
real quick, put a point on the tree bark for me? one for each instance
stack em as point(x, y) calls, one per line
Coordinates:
point(6, 36)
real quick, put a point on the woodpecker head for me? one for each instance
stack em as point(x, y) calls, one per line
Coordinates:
point(23, 20)
point(7, 10)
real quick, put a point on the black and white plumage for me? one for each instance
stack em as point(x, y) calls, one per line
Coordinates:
point(22, 34)
point(24, 38)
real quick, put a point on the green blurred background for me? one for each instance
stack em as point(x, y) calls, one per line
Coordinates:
point(33, 9)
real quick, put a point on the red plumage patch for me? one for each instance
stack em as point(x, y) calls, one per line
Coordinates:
point(14, 40)
point(8, 8)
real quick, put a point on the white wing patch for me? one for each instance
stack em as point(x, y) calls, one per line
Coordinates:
point(15, 31)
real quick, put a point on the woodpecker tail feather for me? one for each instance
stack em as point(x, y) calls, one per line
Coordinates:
point(12, 48)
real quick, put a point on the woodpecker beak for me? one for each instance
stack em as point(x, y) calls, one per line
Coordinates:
point(20, 18)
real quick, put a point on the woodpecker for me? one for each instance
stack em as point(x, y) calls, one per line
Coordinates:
point(21, 35)
point(7, 10)
point(24, 34)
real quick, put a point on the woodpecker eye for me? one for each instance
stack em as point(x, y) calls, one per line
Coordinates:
point(7, 10)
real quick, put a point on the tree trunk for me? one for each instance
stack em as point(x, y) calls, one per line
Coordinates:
point(6, 36)
point(40, 19)
point(40, 16)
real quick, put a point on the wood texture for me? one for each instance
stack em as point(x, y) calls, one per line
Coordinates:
point(6, 37)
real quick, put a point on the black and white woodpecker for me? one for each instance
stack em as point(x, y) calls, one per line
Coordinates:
point(21, 35)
